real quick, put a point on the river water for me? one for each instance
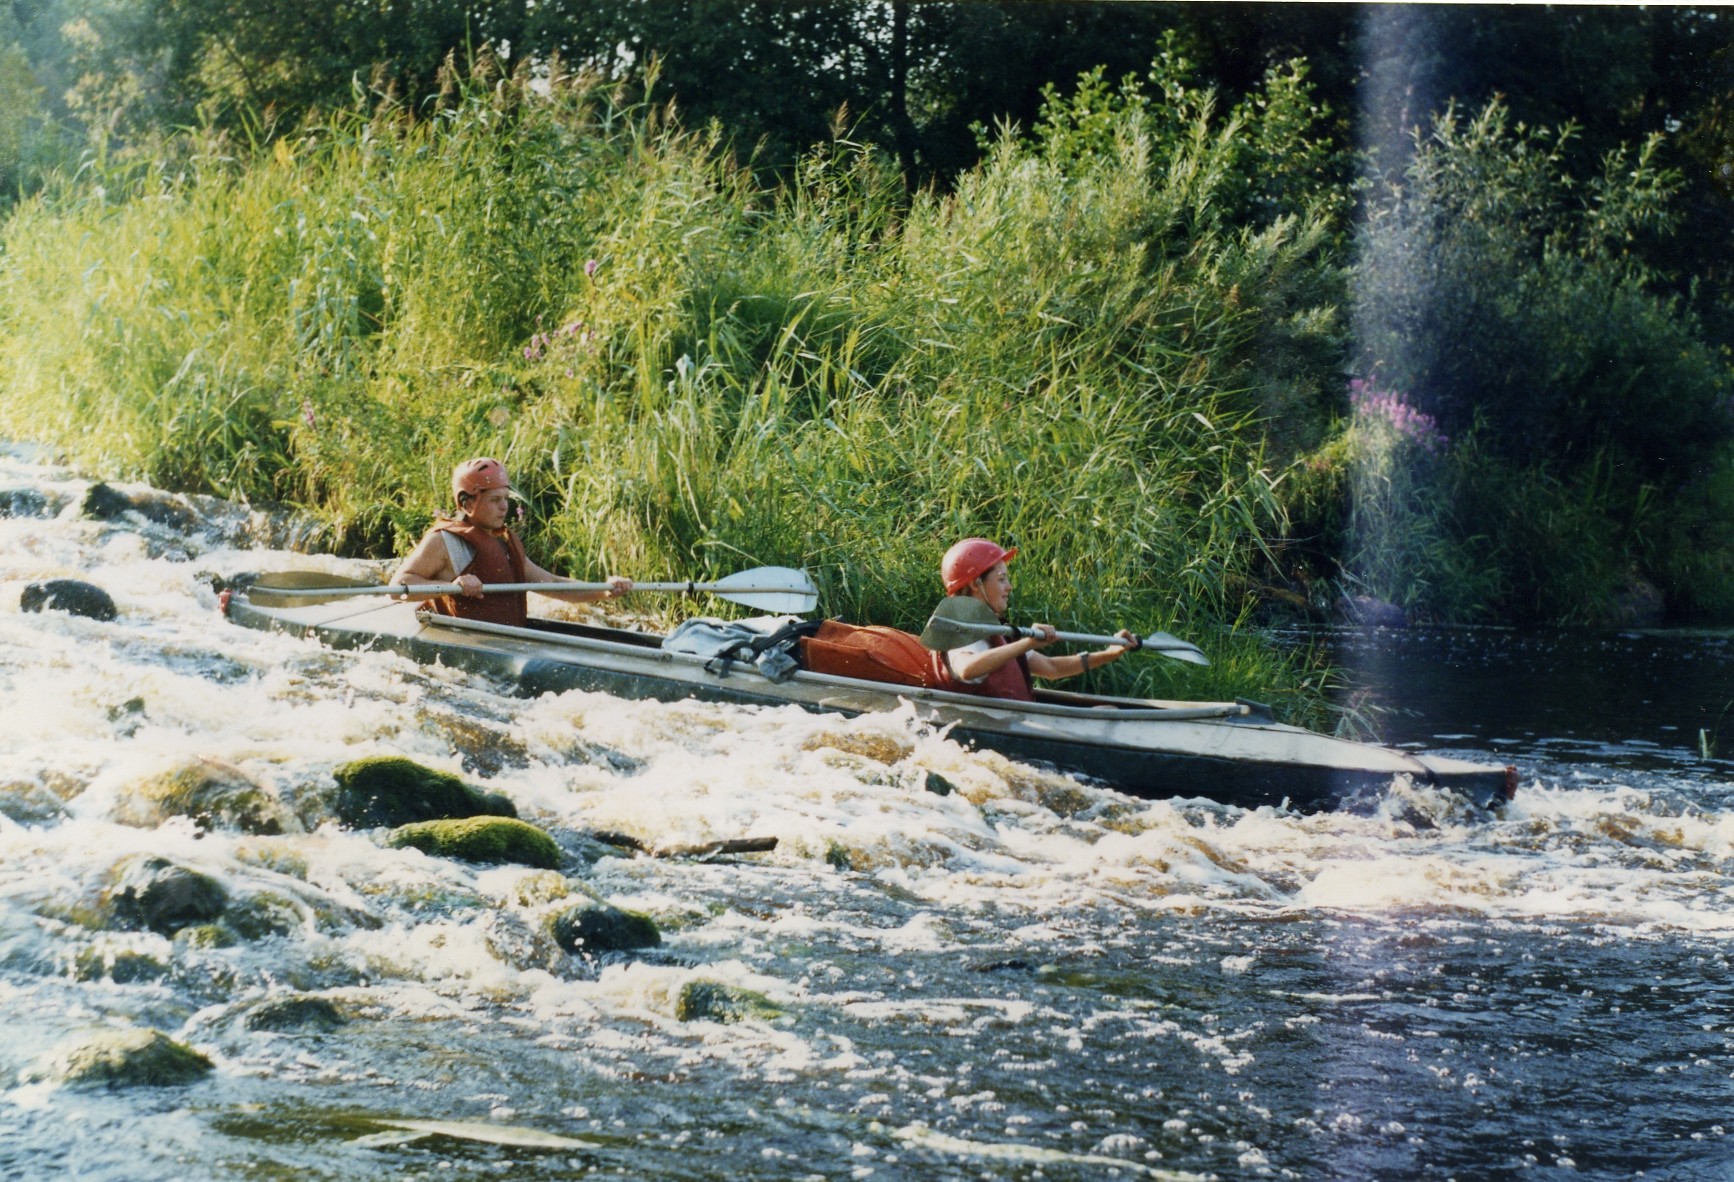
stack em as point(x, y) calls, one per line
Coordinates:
point(1028, 978)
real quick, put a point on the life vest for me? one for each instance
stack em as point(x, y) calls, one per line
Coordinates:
point(868, 651)
point(497, 558)
point(1010, 680)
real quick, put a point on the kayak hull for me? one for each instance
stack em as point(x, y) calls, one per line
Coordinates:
point(1234, 753)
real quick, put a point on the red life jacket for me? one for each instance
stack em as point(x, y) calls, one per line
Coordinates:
point(497, 558)
point(1010, 680)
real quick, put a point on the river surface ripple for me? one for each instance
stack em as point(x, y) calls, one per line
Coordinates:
point(1028, 978)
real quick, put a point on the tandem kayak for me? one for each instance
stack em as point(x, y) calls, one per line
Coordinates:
point(1232, 752)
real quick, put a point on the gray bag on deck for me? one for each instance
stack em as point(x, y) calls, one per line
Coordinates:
point(765, 642)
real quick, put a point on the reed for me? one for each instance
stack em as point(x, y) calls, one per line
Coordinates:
point(685, 372)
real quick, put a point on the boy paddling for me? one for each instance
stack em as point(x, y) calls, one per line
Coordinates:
point(476, 549)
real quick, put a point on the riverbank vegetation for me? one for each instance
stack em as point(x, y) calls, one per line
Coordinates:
point(1201, 361)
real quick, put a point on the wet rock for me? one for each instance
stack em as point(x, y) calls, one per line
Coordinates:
point(30, 803)
point(106, 503)
point(201, 936)
point(1368, 612)
point(68, 595)
point(214, 794)
point(390, 791)
point(938, 784)
point(123, 966)
point(712, 1001)
point(22, 502)
point(480, 839)
point(262, 915)
point(135, 1057)
point(162, 896)
point(300, 1012)
point(592, 928)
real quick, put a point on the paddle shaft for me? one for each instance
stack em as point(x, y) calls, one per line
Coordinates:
point(1016, 633)
point(422, 590)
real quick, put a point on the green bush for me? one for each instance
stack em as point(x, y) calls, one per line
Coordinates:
point(688, 374)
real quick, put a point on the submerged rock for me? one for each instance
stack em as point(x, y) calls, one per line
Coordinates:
point(262, 915)
point(68, 595)
point(123, 966)
point(592, 928)
point(136, 1057)
point(215, 795)
point(300, 1012)
point(712, 1001)
point(480, 839)
point(389, 791)
point(162, 896)
point(23, 502)
point(30, 803)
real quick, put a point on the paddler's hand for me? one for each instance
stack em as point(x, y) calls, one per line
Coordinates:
point(618, 585)
point(1046, 635)
point(469, 585)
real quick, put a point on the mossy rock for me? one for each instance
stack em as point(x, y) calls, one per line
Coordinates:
point(214, 795)
point(299, 1012)
point(72, 596)
point(262, 915)
point(593, 928)
point(480, 839)
point(201, 936)
point(122, 966)
point(136, 1057)
point(154, 893)
point(712, 1001)
point(30, 803)
point(388, 791)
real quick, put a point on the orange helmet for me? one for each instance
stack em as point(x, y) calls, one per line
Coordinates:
point(477, 476)
point(970, 559)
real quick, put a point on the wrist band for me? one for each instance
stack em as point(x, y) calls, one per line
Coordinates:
point(1083, 662)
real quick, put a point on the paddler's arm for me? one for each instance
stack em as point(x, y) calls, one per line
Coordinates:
point(1059, 668)
point(978, 665)
point(431, 562)
point(618, 585)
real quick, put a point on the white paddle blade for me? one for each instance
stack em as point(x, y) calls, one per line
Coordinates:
point(780, 590)
point(1173, 646)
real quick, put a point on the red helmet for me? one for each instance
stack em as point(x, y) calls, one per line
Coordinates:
point(970, 559)
point(477, 476)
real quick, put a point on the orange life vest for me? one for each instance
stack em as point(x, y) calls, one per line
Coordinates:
point(870, 652)
point(497, 558)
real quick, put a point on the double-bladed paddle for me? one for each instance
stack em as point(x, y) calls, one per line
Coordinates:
point(768, 588)
point(961, 619)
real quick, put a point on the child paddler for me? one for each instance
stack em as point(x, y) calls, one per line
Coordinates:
point(475, 549)
point(996, 667)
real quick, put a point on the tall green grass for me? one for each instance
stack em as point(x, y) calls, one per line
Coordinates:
point(688, 374)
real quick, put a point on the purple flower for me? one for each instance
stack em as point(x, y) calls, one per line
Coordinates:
point(307, 414)
point(590, 266)
point(1385, 406)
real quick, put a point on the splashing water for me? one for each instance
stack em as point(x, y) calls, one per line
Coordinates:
point(1030, 977)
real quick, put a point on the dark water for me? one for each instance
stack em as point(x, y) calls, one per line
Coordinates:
point(1029, 978)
